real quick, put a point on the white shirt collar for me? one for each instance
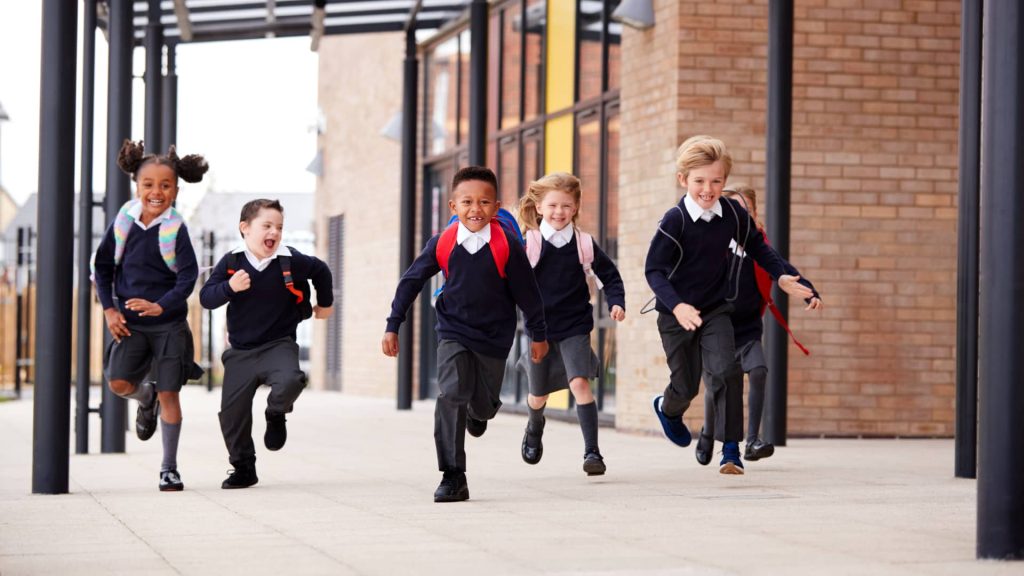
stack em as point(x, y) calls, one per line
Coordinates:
point(261, 265)
point(695, 211)
point(557, 238)
point(473, 241)
point(135, 212)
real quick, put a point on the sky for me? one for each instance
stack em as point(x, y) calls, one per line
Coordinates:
point(249, 106)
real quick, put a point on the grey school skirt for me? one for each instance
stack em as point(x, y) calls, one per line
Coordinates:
point(567, 359)
point(751, 355)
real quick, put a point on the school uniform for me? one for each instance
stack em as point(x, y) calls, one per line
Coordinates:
point(262, 322)
point(704, 276)
point(160, 346)
point(476, 325)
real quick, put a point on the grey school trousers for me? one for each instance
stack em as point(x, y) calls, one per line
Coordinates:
point(709, 350)
point(275, 364)
point(469, 384)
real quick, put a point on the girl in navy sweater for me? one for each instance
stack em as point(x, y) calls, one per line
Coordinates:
point(563, 259)
point(144, 270)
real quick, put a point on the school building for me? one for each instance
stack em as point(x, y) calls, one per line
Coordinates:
point(873, 202)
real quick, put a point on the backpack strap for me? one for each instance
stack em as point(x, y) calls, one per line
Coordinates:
point(499, 246)
point(286, 271)
point(167, 236)
point(445, 245)
point(585, 249)
point(764, 286)
point(534, 243)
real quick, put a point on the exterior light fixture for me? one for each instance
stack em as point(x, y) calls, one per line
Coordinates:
point(638, 14)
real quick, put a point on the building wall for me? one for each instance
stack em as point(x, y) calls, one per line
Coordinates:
point(360, 89)
point(873, 195)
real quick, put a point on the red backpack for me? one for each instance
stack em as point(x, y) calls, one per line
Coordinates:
point(764, 286)
point(499, 246)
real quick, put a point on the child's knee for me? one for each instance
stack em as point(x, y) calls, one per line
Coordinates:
point(121, 387)
point(580, 387)
point(758, 375)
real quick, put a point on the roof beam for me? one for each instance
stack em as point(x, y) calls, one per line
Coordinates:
point(184, 22)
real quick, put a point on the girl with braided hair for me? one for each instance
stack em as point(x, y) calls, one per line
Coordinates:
point(144, 270)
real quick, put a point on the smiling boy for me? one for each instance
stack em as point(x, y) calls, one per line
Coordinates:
point(487, 276)
point(266, 287)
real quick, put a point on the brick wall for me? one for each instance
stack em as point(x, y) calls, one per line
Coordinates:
point(360, 88)
point(873, 194)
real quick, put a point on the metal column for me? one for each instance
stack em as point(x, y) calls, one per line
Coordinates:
point(1001, 427)
point(51, 406)
point(169, 128)
point(778, 156)
point(478, 82)
point(966, 438)
point(114, 410)
point(85, 206)
point(407, 242)
point(153, 77)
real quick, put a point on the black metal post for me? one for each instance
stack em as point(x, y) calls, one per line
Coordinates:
point(51, 406)
point(478, 82)
point(114, 410)
point(153, 76)
point(778, 155)
point(210, 242)
point(169, 129)
point(85, 206)
point(407, 243)
point(966, 439)
point(19, 321)
point(1000, 470)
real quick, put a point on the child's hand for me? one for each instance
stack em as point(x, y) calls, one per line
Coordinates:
point(116, 324)
point(389, 344)
point(790, 286)
point(538, 350)
point(240, 281)
point(687, 316)
point(322, 312)
point(618, 313)
point(143, 307)
point(815, 304)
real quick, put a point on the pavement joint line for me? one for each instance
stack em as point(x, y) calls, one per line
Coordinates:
point(132, 532)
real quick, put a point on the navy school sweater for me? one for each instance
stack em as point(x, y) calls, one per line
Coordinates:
point(703, 279)
point(564, 289)
point(746, 317)
point(478, 307)
point(143, 273)
point(266, 311)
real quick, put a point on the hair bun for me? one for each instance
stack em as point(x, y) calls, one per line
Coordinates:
point(130, 156)
point(190, 168)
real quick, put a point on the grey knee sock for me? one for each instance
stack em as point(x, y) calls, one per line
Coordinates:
point(587, 413)
point(535, 424)
point(170, 433)
point(755, 401)
point(709, 413)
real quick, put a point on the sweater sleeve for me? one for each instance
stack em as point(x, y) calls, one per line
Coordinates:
point(409, 286)
point(103, 269)
point(317, 271)
point(188, 271)
point(663, 257)
point(791, 270)
point(217, 292)
point(523, 285)
point(614, 290)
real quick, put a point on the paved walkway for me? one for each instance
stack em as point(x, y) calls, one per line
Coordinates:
point(351, 493)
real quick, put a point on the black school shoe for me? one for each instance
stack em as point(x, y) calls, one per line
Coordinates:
point(453, 488)
point(145, 416)
point(705, 448)
point(758, 449)
point(277, 433)
point(170, 481)
point(476, 428)
point(241, 477)
point(593, 463)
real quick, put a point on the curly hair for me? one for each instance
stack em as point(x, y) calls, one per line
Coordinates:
point(529, 216)
point(132, 157)
point(475, 173)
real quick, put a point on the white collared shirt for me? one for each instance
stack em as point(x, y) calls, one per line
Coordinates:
point(695, 211)
point(473, 241)
point(136, 213)
point(557, 238)
point(261, 265)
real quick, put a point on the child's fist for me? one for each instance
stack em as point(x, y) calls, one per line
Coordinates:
point(617, 313)
point(389, 344)
point(240, 281)
point(538, 350)
point(687, 316)
point(116, 324)
point(322, 312)
point(790, 285)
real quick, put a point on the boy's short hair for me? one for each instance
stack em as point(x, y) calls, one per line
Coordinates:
point(481, 173)
point(252, 208)
point(702, 150)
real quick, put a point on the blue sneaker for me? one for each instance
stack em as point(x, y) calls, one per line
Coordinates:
point(674, 428)
point(731, 463)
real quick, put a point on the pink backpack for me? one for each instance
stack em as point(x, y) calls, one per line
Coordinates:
point(584, 247)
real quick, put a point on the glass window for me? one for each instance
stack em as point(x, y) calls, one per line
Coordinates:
point(611, 231)
point(493, 75)
point(508, 172)
point(464, 39)
point(511, 65)
point(589, 55)
point(441, 95)
point(536, 19)
point(588, 170)
point(533, 163)
point(614, 53)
